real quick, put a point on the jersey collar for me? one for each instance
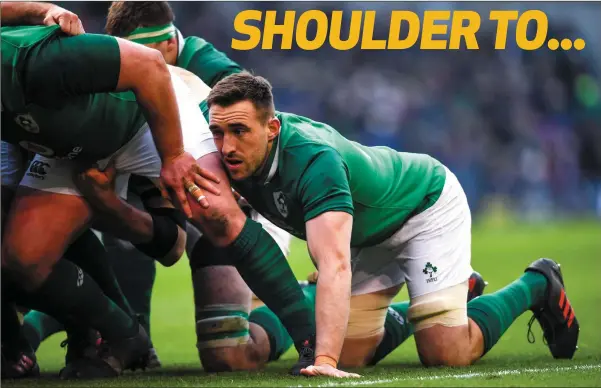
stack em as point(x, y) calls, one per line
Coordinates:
point(180, 42)
point(271, 166)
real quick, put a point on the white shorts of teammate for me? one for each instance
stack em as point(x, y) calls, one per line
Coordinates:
point(139, 156)
point(431, 253)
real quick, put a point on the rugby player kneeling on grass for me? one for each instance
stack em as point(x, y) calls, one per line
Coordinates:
point(373, 219)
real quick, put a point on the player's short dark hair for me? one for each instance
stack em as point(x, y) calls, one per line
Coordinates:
point(244, 86)
point(126, 16)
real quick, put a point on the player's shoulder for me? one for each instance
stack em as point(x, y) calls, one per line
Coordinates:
point(195, 43)
point(303, 142)
point(193, 47)
point(303, 135)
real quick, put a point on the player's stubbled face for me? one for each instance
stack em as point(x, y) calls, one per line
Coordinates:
point(241, 137)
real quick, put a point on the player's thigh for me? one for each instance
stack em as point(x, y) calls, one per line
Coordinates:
point(223, 220)
point(365, 328)
point(46, 215)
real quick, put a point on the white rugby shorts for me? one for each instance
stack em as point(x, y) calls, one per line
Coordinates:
point(430, 252)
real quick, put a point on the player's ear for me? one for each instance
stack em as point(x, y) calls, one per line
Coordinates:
point(273, 126)
point(171, 45)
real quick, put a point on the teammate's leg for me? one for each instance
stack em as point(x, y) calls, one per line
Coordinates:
point(135, 272)
point(53, 285)
point(226, 341)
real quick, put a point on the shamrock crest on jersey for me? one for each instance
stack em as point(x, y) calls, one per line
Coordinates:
point(280, 203)
point(27, 122)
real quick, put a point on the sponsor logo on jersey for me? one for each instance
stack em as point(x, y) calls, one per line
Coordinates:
point(27, 122)
point(37, 148)
point(429, 269)
point(37, 169)
point(73, 153)
point(280, 203)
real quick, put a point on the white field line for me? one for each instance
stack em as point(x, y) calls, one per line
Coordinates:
point(501, 372)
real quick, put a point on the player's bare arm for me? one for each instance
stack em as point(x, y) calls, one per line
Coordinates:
point(329, 241)
point(159, 231)
point(21, 12)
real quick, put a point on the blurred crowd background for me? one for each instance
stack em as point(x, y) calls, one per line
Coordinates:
point(522, 130)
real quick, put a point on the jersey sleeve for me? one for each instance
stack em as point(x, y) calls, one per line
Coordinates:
point(211, 65)
point(72, 66)
point(324, 186)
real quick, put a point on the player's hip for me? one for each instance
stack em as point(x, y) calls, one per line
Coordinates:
point(437, 241)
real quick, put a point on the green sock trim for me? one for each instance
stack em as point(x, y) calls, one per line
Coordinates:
point(218, 336)
point(279, 339)
point(495, 312)
point(205, 313)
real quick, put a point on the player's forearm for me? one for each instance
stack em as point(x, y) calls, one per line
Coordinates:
point(162, 114)
point(24, 12)
point(145, 72)
point(123, 220)
point(332, 308)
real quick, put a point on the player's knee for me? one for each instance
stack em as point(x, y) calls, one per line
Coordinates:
point(222, 332)
point(168, 242)
point(177, 251)
point(358, 352)
point(24, 264)
point(228, 359)
point(365, 327)
point(441, 327)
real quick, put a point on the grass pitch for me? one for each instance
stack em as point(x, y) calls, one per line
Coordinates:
point(500, 254)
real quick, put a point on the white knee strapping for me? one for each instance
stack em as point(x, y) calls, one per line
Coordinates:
point(221, 325)
point(446, 307)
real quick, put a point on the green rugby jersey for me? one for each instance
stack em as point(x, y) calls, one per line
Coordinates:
point(206, 62)
point(209, 64)
point(55, 99)
point(313, 169)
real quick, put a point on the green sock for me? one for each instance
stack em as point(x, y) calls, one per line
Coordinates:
point(72, 295)
point(135, 273)
point(279, 339)
point(37, 326)
point(89, 254)
point(495, 312)
point(265, 269)
point(396, 330)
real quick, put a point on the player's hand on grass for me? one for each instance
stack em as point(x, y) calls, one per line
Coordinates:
point(182, 174)
point(326, 370)
point(69, 22)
